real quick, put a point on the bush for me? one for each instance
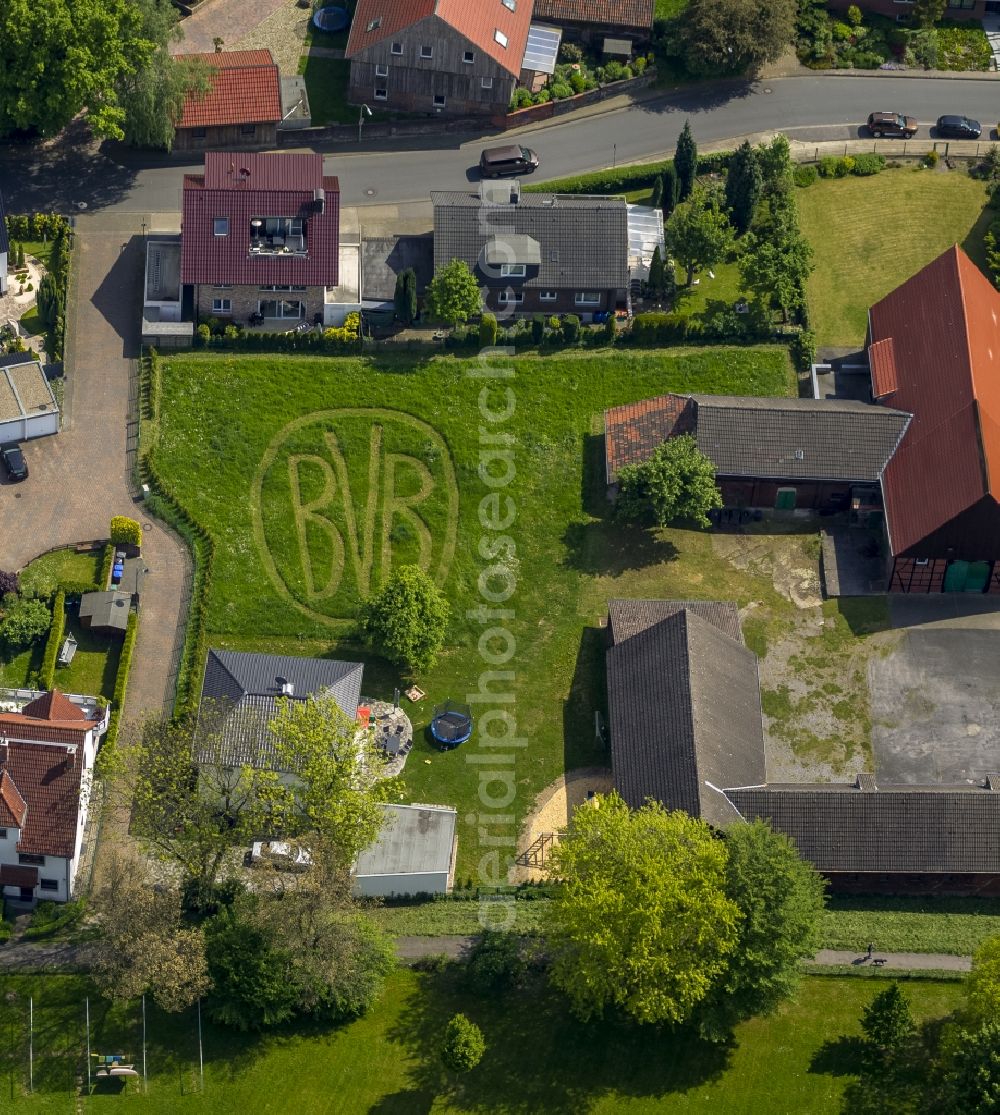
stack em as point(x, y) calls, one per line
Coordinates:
point(56, 629)
point(804, 350)
point(488, 331)
point(842, 32)
point(24, 621)
point(610, 329)
point(845, 165)
point(570, 328)
point(613, 71)
point(48, 918)
point(804, 175)
point(202, 334)
point(104, 577)
point(496, 961)
point(537, 329)
point(931, 159)
point(462, 1046)
point(121, 682)
point(561, 90)
point(10, 583)
point(828, 166)
point(639, 65)
point(866, 165)
point(570, 52)
point(617, 180)
point(125, 531)
point(854, 15)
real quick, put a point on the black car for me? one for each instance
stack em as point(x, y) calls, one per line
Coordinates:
point(14, 462)
point(958, 127)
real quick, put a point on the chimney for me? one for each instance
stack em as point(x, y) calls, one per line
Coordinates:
point(319, 200)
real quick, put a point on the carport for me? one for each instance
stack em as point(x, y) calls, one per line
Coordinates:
point(27, 406)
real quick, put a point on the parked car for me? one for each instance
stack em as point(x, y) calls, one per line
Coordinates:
point(281, 855)
point(892, 124)
point(495, 162)
point(958, 127)
point(14, 462)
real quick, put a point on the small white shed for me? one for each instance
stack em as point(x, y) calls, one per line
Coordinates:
point(413, 854)
point(27, 406)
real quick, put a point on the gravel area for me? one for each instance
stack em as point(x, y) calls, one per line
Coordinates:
point(283, 32)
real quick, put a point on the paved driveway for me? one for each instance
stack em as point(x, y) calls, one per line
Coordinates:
point(78, 477)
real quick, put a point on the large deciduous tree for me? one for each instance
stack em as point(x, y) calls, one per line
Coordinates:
point(775, 268)
point(972, 1080)
point(780, 899)
point(982, 988)
point(736, 36)
point(685, 163)
point(642, 922)
point(407, 618)
point(744, 183)
point(698, 234)
point(453, 295)
point(676, 483)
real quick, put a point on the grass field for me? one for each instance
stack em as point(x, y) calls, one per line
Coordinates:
point(308, 511)
point(62, 565)
point(951, 925)
point(326, 85)
point(538, 1060)
point(871, 234)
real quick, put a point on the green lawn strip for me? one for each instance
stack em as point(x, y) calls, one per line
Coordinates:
point(63, 566)
point(538, 1058)
point(220, 413)
point(453, 918)
point(326, 85)
point(950, 925)
point(860, 256)
point(95, 664)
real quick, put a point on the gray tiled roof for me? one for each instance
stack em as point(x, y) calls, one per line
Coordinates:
point(245, 688)
point(797, 439)
point(628, 617)
point(892, 829)
point(583, 240)
point(684, 708)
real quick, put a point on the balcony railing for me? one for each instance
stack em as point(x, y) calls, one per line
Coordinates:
point(278, 246)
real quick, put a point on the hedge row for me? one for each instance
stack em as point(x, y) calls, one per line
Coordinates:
point(621, 179)
point(58, 626)
point(104, 577)
point(121, 680)
point(310, 341)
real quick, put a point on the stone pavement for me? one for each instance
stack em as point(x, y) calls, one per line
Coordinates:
point(229, 20)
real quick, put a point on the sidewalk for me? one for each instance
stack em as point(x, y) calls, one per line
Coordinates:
point(898, 961)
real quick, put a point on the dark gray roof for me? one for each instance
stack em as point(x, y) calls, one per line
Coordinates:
point(628, 617)
point(245, 688)
point(414, 839)
point(583, 240)
point(797, 439)
point(4, 242)
point(685, 720)
point(892, 829)
point(384, 257)
point(106, 609)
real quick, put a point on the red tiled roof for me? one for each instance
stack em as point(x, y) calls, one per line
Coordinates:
point(11, 875)
point(245, 89)
point(476, 20)
point(242, 186)
point(48, 779)
point(50, 718)
point(882, 358)
point(12, 805)
point(944, 323)
point(53, 706)
point(633, 431)
point(637, 14)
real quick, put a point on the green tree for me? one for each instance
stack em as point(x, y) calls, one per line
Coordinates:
point(676, 483)
point(66, 56)
point(144, 945)
point(928, 12)
point(775, 160)
point(972, 1080)
point(685, 163)
point(736, 36)
point(610, 328)
point(780, 899)
point(656, 197)
point(453, 295)
point(670, 190)
point(488, 330)
point(24, 621)
point(698, 234)
point(656, 272)
point(252, 979)
point(886, 1021)
point(405, 298)
point(50, 303)
point(462, 1046)
point(642, 922)
point(744, 182)
point(776, 268)
point(982, 988)
point(407, 618)
point(496, 961)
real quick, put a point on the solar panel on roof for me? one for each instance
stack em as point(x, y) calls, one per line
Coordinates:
point(542, 49)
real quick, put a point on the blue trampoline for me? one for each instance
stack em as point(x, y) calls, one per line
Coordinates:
point(451, 724)
point(330, 19)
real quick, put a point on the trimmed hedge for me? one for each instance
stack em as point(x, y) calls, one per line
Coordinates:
point(106, 563)
point(125, 531)
point(121, 680)
point(48, 672)
point(78, 588)
point(624, 178)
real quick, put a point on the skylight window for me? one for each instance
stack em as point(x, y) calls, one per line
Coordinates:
point(500, 37)
point(512, 4)
point(375, 24)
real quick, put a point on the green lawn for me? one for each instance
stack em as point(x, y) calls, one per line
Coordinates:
point(871, 234)
point(951, 925)
point(445, 918)
point(538, 1060)
point(95, 664)
point(62, 566)
point(289, 580)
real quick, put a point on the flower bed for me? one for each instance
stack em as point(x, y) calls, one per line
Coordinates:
point(578, 73)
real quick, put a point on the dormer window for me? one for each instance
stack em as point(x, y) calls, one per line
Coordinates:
point(513, 270)
point(500, 37)
point(375, 24)
point(220, 226)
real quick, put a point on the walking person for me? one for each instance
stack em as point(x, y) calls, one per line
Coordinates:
point(871, 949)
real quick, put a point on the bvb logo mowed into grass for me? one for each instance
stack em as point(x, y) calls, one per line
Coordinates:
point(343, 497)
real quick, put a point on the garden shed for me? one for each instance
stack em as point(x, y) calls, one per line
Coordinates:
point(105, 611)
point(413, 854)
point(27, 406)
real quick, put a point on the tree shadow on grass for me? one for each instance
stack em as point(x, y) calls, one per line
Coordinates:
point(610, 548)
point(587, 695)
point(841, 1056)
point(538, 1058)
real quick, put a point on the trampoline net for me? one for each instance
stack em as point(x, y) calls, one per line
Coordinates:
point(451, 721)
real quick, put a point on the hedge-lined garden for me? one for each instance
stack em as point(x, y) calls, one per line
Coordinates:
point(52, 292)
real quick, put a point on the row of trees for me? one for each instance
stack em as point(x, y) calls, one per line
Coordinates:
point(107, 58)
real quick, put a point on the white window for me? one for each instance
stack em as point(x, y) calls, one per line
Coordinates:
point(487, 83)
point(439, 100)
point(469, 57)
point(222, 305)
point(500, 37)
point(382, 70)
point(588, 298)
point(511, 4)
point(281, 288)
point(513, 270)
point(396, 48)
point(548, 296)
point(427, 52)
point(510, 296)
point(48, 884)
point(381, 94)
point(921, 561)
point(375, 24)
point(220, 226)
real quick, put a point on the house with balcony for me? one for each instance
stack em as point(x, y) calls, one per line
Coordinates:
point(260, 238)
point(48, 743)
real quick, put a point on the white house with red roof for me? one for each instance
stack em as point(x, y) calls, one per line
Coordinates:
point(48, 743)
point(453, 57)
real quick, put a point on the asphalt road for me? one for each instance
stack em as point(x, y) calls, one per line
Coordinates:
point(408, 168)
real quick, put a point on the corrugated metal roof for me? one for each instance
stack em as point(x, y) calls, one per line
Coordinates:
point(245, 89)
point(882, 358)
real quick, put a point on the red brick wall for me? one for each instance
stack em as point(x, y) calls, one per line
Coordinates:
point(908, 576)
